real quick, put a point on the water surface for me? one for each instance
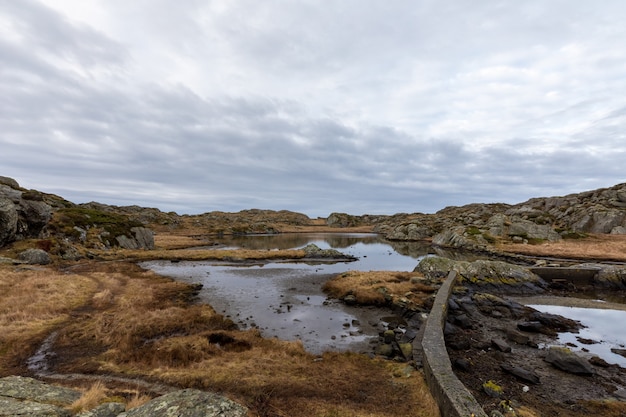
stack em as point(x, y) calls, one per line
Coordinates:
point(285, 300)
point(602, 326)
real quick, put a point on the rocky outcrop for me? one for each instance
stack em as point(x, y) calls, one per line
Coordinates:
point(476, 226)
point(498, 276)
point(23, 214)
point(21, 396)
point(141, 238)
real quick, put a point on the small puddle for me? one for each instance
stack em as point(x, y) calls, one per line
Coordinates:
point(604, 331)
point(39, 363)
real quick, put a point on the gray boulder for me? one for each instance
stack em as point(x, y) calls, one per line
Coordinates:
point(143, 238)
point(189, 403)
point(568, 361)
point(34, 215)
point(8, 221)
point(530, 230)
point(34, 257)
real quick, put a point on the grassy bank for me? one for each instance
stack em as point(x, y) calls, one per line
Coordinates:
point(113, 318)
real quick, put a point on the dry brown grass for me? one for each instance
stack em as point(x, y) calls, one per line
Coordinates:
point(380, 287)
point(131, 322)
point(33, 303)
point(172, 241)
point(593, 247)
point(608, 408)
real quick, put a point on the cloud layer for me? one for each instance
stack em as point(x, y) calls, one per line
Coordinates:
point(354, 106)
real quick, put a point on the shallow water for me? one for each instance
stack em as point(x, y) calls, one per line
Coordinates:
point(606, 327)
point(285, 300)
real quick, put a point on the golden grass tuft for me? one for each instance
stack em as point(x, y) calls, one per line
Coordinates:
point(137, 400)
point(90, 398)
point(380, 287)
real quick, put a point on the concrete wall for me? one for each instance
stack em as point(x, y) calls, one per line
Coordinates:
point(453, 398)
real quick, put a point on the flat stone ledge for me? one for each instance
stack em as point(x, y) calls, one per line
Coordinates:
point(453, 398)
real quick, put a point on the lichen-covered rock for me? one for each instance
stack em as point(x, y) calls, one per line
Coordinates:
point(496, 275)
point(438, 267)
point(315, 252)
point(24, 388)
point(143, 238)
point(104, 410)
point(11, 407)
point(189, 403)
point(34, 257)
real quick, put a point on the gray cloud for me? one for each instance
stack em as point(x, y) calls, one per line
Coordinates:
point(353, 106)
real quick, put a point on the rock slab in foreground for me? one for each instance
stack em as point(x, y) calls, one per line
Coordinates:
point(189, 403)
point(23, 388)
point(11, 407)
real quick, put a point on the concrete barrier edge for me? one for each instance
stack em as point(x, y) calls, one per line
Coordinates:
point(453, 398)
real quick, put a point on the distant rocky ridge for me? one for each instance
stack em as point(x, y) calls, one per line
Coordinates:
point(32, 214)
point(476, 226)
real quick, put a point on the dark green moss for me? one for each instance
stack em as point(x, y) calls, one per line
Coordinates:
point(66, 220)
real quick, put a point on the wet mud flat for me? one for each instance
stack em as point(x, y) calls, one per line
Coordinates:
point(284, 300)
point(502, 351)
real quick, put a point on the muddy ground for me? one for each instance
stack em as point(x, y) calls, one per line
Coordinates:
point(477, 360)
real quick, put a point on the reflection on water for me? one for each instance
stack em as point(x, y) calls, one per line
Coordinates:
point(604, 327)
point(298, 240)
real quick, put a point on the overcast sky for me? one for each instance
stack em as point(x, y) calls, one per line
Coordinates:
point(355, 106)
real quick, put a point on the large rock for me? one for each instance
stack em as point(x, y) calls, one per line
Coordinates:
point(8, 221)
point(23, 214)
point(530, 230)
point(34, 216)
point(566, 360)
point(189, 403)
point(143, 238)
